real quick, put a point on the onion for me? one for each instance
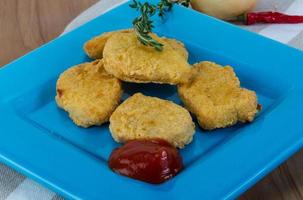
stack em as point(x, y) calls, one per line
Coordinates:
point(223, 9)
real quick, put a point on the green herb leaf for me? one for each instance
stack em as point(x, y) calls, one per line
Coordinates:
point(143, 25)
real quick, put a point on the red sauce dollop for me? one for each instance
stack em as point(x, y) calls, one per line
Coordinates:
point(153, 161)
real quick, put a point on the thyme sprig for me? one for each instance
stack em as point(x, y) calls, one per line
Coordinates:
point(143, 25)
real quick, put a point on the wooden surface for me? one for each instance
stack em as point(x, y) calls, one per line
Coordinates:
point(27, 24)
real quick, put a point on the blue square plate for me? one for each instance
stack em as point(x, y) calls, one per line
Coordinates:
point(40, 141)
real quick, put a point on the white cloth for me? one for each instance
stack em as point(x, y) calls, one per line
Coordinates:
point(14, 186)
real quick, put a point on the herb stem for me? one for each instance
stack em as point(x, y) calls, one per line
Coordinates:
point(143, 25)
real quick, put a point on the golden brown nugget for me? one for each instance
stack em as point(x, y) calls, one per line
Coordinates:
point(177, 46)
point(88, 93)
point(129, 60)
point(143, 117)
point(214, 95)
point(94, 47)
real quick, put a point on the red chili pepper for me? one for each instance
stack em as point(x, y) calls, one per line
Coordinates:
point(269, 17)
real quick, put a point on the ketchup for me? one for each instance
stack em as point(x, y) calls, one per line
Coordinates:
point(153, 161)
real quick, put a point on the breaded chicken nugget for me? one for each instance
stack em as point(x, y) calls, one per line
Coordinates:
point(177, 46)
point(214, 95)
point(88, 93)
point(94, 47)
point(143, 117)
point(129, 60)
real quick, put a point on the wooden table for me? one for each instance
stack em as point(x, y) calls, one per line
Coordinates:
point(27, 24)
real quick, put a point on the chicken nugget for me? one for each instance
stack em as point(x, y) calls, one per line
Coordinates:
point(214, 95)
point(94, 47)
point(88, 93)
point(143, 117)
point(129, 60)
point(177, 46)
